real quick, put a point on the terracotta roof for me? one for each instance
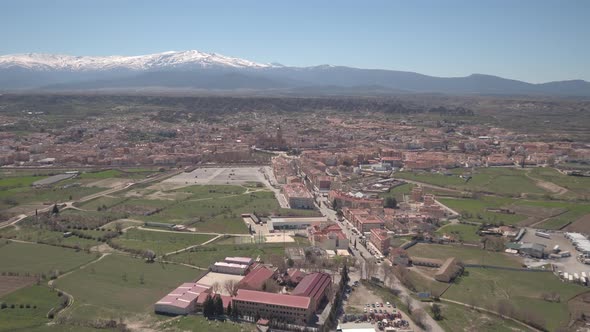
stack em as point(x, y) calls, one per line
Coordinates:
point(313, 285)
point(273, 299)
point(256, 278)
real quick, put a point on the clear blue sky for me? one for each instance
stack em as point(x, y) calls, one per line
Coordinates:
point(531, 40)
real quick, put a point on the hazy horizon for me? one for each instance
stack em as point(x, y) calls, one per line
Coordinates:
point(532, 41)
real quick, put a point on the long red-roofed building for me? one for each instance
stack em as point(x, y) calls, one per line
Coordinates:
point(315, 285)
point(277, 307)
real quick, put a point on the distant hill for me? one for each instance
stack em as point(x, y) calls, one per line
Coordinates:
point(211, 71)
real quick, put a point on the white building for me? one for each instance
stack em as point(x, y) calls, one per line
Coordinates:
point(229, 268)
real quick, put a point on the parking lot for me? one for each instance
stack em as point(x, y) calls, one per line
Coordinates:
point(219, 176)
point(360, 297)
point(567, 264)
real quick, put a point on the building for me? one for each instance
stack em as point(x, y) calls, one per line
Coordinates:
point(533, 249)
point(278, 223)
point(448, 271)
point(365, 223)
point(229, 268)
point(380, 239)
point(182, 300)
point(239, 260)
point(399, 256)
point(316, 286)
point(290, 309)
point(256, 278)
point(328, 237)
point(298, 196)
point(340, 200)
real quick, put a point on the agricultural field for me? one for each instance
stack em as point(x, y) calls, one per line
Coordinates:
point(39, 299)
point(39, 259)
point(466, 254)
point(475, 210)
point(39, 235)
point(571, 212)
point(205, 256)
point(522, 290)
point(159, 242)
point(579, 186)
point(121, 287)
point(219, 215)
point(501, 181)
point(462, 232)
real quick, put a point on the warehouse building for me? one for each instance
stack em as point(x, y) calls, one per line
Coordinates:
point(182, 300)
point(229, 268)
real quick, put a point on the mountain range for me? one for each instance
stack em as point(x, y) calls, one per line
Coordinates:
point(211, 71)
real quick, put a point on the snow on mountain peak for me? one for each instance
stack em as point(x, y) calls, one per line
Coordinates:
point(164, 60)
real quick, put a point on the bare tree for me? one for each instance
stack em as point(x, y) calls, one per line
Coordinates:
point(271, 286)
point(370, 267)
point(419, 317)
point(216, 287)
point(231, 287)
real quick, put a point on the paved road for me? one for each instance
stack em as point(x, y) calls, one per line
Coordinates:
point(362, 253)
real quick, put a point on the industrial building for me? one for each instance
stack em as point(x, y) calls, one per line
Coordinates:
point(229, 268)
point(182, 300)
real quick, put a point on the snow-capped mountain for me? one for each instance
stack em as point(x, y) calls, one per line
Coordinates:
point(212, 71)
point(159, 61)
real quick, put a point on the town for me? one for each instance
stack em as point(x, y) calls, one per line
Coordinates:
point(381, 216)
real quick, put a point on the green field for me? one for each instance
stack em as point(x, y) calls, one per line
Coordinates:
point(398, 192)
point(94, 204)
point(219, 215)
point(462, 319)
point(467, 254)
point(217, 252)
point(112, 287)
point(463, 232)
point(159, 242)
point(27, 319)
point(574, 211)
point(501, 181)
point(138, 173)
point(37, 258)
point(45, 236)
point(485, 287)
point(475, 209)
point(577, 184)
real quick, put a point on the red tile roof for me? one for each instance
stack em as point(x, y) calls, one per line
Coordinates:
point(313, 285)
point(256, 278)
point(273, 299)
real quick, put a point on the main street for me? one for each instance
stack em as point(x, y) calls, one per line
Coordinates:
point(362, 254)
